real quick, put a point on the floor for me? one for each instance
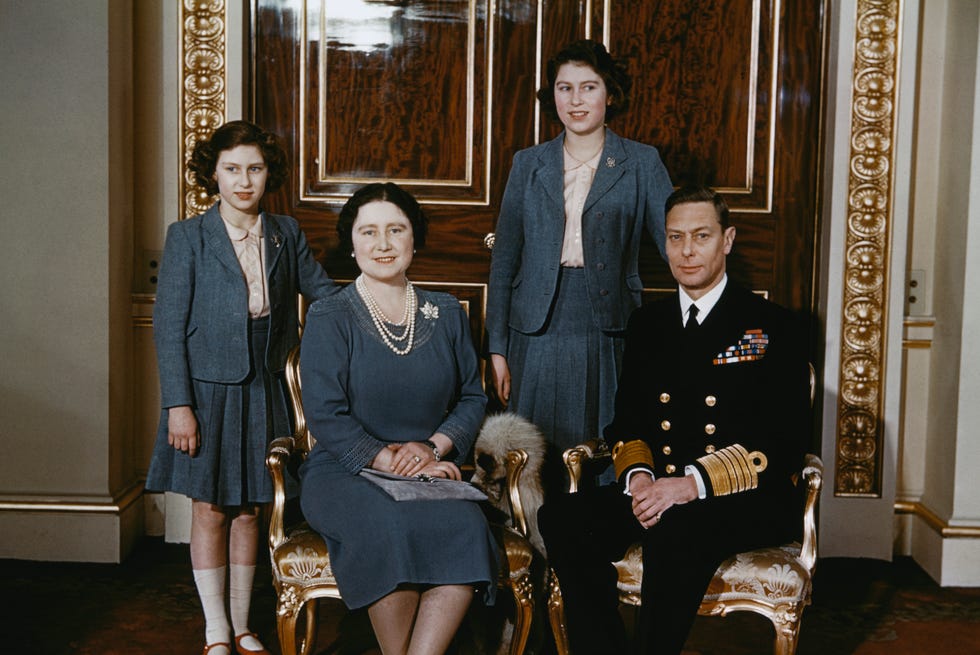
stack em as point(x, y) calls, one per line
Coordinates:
point(148, 605)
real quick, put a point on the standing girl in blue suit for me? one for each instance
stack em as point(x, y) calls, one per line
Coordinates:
point(564, 278)
point(224, 321)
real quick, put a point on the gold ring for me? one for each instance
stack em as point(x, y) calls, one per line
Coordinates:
point(417, 459)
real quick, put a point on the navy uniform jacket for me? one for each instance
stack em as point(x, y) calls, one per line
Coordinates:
point(742, 379)
point(688, 397)
point(200, 319)
point(627, 196)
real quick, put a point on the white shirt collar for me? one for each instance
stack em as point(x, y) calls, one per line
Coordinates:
point(236, 233)
point(705, 303)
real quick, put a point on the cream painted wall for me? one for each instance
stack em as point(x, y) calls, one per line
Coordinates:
point(67, 219)
point(940, 450)
point(951, 231)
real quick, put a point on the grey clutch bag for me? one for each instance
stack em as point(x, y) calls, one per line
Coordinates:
point(422, 487)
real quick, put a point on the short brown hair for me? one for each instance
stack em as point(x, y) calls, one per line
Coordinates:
point(204, 158)
point(699, 193)
point(594, 55)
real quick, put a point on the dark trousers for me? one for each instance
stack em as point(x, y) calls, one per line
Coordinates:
point(585, 532)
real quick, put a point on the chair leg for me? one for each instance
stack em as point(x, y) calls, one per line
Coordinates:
point(787, 627)
point(286, 614)
point(556, 614)
point(312, 612)
point(523, 592)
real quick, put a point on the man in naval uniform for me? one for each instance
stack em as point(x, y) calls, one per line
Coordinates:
point(712, 419)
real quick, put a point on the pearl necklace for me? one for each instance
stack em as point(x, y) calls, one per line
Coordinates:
point(381, 321)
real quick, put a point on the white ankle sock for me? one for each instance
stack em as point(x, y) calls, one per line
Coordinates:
point(211, 588)
point(240, 592)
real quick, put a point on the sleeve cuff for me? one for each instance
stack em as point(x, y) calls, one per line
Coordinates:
point(631, 455)
point(696, 474)
point(629, 476)
point(733, 469)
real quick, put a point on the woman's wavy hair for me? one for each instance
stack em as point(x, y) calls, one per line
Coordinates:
point(377, 191)
point(594, 55)
point(204, 158)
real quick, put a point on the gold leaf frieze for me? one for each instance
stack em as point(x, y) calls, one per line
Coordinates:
point(869, 211)
point(203, 89)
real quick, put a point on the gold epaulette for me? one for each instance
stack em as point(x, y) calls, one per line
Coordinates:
point(630, 454)
point(733, 469)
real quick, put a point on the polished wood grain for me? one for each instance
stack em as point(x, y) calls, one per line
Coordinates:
point(412, 91)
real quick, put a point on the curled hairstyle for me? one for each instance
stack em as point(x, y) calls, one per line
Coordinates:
point(594, 55)
point(381, 191)
point(204, 159)
point(699, 193)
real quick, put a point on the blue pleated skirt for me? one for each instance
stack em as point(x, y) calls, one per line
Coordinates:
point(236, 423)
point(563, 378)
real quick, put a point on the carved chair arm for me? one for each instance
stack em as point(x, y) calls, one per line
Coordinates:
point(276, 459)
point(516, 461)
point(813, 474)
point(576, 456)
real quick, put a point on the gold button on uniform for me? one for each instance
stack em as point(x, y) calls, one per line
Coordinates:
point(670, 468)
point(709, 449)
point(665, 398)
point(666, 450)
point(710, 401)
point(665, 425)
point(709, 428)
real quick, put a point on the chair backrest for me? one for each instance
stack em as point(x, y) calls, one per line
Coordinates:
point(304, 440)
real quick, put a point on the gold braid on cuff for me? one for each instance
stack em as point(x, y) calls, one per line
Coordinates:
point(733, 469)
point(629, 454)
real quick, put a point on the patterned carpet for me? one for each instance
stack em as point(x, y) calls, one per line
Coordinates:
point(148, 605)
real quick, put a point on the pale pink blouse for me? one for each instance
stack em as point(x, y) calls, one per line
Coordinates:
point(249, 248)
point(578, 181)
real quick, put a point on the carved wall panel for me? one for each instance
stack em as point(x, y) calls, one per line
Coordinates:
point(710, 85)
point(202, 88)
point(869, 208)
point(399, 92)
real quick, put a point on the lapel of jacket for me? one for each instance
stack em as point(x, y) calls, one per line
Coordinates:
point(611, 168)
point(551, 166)
point(274, 241)
point(217, 238)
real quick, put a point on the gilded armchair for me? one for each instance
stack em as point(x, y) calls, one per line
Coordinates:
point(301, 571)
point(775, 582)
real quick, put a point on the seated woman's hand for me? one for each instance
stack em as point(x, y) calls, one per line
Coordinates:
point(443, 469)
point(410, 458)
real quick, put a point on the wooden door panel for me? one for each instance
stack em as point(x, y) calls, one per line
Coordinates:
point(439, 94)
point(396, 92)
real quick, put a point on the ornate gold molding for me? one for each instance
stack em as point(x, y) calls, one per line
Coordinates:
point(870, 203)
point(203, 87)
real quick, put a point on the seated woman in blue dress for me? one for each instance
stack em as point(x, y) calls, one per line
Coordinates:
point(391, 382)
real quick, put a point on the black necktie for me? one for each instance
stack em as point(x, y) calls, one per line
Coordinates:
point(692, 319)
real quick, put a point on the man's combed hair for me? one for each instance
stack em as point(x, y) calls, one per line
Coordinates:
point(699, 193)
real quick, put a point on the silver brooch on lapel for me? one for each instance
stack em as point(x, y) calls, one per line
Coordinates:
point(610, 162)
point(430, 311)
point(276, 240)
